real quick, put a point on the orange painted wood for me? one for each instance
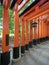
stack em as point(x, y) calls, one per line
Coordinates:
point(48, 31)
point(16, 28)
point(5, 29)
point(40, 14)
point(23, 35)
point(35, 33)
point(31, 33)
point(37, 12)
point(27, 36)
point(38, 4)
point(40, 29)
point(44, 29)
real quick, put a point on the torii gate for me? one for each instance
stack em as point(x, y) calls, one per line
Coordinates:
point(38, 10)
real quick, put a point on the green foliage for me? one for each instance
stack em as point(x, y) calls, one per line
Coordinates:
point(10, 13)
point(27, 5)
point(0, 31)
point(0, 11)
point(0, 19)
point(11, 22)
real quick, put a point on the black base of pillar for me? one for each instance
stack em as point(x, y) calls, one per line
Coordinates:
point(27, 47)
point(15, 52)
point(22, 49)
point(30, 44)
point(34, 42)
point(38, 41)
point(43, 39)
point(5, 58)
point(47, 38)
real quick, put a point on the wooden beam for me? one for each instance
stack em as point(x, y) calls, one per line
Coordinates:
point(24, 5)
point(19, 9)
point(34, 17)
point(44, 9)
point(38, 4)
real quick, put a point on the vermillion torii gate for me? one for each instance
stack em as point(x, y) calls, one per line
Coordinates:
point(5, 55)
point(35, 12)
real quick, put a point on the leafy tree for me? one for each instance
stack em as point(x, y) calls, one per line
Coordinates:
point(11, 22)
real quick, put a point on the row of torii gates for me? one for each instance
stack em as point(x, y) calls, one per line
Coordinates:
point(39, 24)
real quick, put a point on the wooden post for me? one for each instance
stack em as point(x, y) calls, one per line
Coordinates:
point(40, 30)
point(23, 38)
point(16, 34)
point(26, 41)
point(35, 36)
point(31, 34)
point(48, 30)
point(5, 38)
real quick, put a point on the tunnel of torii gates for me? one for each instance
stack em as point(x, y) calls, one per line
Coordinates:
point(35, 21)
